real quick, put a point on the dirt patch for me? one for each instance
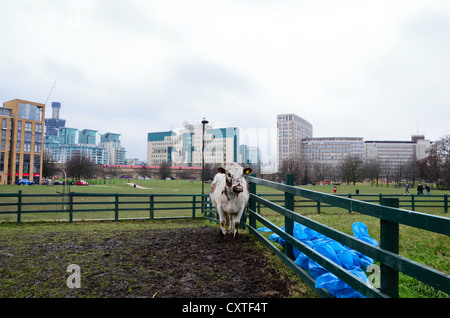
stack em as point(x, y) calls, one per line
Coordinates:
point(186, 262)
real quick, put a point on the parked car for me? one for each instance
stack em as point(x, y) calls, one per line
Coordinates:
point(58, 182)
point(25, 182)
point(82, 182)
point(47, 182)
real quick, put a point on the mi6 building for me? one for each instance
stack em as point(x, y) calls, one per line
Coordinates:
point(185, 148)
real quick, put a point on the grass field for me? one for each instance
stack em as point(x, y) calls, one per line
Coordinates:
point(424, 247)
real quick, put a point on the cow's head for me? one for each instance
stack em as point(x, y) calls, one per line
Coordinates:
point(234, 174)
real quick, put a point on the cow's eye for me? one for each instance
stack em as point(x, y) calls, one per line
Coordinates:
point(229, 175)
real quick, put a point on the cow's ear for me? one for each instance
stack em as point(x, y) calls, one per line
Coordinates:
point(221, 170)
point(247, 170)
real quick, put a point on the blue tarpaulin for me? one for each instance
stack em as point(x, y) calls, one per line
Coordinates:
point(349, 259)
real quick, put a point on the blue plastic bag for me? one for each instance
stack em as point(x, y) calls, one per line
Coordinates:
point(302, 260)
point(360, 232)
point(315, 270)
point(339, 288)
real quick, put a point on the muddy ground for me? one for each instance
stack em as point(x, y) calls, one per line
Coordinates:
point(160, 263)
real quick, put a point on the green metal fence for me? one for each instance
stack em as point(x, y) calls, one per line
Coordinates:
point(101, 206)
point(411, 201)
point(387, 253)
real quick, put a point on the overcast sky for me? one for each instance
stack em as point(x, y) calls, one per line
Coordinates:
point(373, 69)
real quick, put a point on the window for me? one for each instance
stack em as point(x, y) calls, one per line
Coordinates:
point(26, 163)
point(4, 122)
point(37, 164)
point(27, 137)
point(31, 112)
point(19, 135)
point(37, 138)
point(2, 161)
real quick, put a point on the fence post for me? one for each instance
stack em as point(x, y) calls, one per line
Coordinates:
point(318, 207)
point(349, 196)
point(288, 223)
point(445, 203)
point(70, 206)
point(116, 207)
point(252, 204)
point(19, 206)
point(389, 240)
point(413, 202)
point(152, 205)
point(193, 206)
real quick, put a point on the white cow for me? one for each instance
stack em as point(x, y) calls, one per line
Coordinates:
point(229, 194)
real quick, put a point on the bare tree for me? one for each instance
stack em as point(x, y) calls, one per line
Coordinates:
point(144, 171)
point(351, 169)
point(164, 170)
point(79, 166)
point(436, 166)
point(293, 166)
point(372, 170)
point(48, 165)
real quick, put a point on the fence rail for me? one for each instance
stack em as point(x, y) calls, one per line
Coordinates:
point(411, 201)
point(91, 205)
point(387, 253)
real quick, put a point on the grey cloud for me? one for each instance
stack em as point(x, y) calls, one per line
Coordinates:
point(199, 77)
point(65, 72)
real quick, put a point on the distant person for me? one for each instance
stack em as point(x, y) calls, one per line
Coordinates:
point(420, 189)
point(334, 189)
point(406, 188)
point(427, 187)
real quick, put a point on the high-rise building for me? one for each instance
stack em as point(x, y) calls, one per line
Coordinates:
point(87, 137)
point(53, 124)
point(21, 148)
point(112, 145)
point(292, 129)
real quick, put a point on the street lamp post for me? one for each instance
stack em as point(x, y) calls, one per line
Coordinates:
point(204, 122)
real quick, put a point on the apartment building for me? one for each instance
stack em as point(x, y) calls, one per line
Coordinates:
point(21, 149)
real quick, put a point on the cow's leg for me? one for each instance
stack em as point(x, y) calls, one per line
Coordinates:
point(228, 227)
point(222, 220)
point(236, 221)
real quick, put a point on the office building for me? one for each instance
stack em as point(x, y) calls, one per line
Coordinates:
point(21, 148)
point(291, 129)
point(331, 151)
point(295, 140)
point(185, 148)
point(391, 155)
